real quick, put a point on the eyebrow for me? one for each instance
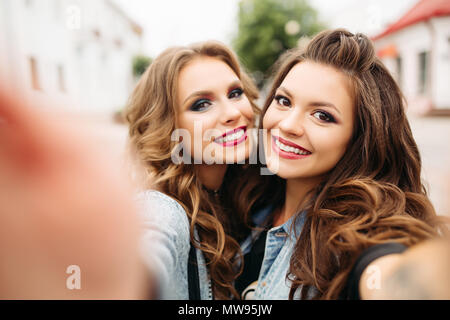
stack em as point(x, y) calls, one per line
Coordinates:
point(209, 94)
point(201, 93)
point(313, 103)
point(234, 85)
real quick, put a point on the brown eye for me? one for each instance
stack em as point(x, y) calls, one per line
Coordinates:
point(324, 116)
point(283, 101)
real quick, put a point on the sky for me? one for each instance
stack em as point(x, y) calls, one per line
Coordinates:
point(180, 22)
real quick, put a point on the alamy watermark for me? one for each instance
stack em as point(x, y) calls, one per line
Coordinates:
point(373, 281)
point(74, 280)
point(190, 150)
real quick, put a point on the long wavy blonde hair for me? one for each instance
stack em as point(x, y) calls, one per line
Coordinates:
point(151, 114)
point(374, 194)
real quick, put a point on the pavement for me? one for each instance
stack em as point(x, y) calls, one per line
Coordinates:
point(432, 135)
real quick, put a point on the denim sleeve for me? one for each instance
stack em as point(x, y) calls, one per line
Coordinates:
point(165, 243)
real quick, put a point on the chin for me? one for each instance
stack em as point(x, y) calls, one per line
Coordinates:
point(282, 170)
point(238, 155)
point(238, 158)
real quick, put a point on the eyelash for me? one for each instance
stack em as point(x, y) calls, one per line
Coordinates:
point(279, 97)
point(329, 117)
point(197, 105)
point(237, 91)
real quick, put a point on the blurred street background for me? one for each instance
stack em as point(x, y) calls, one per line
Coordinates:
point(87, 55)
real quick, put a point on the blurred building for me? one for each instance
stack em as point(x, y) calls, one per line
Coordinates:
point(416, 49)
point(79, 51)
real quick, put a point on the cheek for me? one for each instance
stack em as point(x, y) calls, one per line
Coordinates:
point(246, 109)
point(183, 123)
point(333, 144)
point(269, 119)
point(198, 123)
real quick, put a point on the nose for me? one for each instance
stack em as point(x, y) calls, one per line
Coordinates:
point(292, 124)
point(230, 113)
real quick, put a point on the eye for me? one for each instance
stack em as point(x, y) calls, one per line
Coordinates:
point(324, 116)
point(200, 105)
point(282, 100)
point(235, 93)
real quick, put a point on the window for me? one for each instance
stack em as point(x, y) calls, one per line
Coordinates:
point(118, 42)
point(97, 34)
point(423, 71)
point(398, 63)
point(61, 79)
point(448, 52)
point(79, 50)
point(34, 74)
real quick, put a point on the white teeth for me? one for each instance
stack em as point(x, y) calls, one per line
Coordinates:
point(290, 149)
point(231, 137)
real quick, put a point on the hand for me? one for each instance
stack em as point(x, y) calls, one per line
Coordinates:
point(62, 203)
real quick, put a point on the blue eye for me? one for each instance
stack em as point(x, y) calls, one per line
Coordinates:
point(200, 105)
point(324, 116)
point(282, 101)
point(236, 93)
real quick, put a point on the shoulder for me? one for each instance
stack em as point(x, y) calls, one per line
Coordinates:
point(162, 210)
point(372, 265)
point(165, 241)
point(152, 199)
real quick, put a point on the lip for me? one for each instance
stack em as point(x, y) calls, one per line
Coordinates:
point(234, 130)
point(234, 142)
point(288, 155)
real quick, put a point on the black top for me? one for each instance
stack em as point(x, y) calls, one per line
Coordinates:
point(351, 291)
point(193, 278)
point(252, 263)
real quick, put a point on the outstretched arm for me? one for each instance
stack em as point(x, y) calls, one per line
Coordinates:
point(421, 272)
point(63, 203)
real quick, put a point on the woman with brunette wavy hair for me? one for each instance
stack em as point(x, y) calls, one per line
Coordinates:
point(347, 193)
point(202, 91)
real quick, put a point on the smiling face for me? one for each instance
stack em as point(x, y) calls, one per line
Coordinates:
point(213, 108)
point(309, 122)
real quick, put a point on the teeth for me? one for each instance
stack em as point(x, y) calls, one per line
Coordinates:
point(290, 149)
point(231, 137)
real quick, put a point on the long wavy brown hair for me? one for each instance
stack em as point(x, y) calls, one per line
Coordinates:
point(374, 194)
point(151, 114)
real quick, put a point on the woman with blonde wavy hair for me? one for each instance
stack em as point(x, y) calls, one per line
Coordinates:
point(189, 207)
point(346, 202)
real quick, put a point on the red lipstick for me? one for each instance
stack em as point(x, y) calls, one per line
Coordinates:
point(288, 154)
point(227, 143)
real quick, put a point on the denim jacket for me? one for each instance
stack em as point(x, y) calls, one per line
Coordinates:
point(165, 246)
point(280, 243)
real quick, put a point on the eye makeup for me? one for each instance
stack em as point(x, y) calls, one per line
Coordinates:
point(235, 92)
point(200, 105)
point(324, 116)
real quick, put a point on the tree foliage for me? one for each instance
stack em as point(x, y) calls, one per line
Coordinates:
point(269, 27)
point(140, 64)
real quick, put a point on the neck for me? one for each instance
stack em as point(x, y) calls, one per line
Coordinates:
point(296, 194)
point(211, 176)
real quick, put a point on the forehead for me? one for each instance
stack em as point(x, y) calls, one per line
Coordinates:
point(311, 81)
point(204, 74)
